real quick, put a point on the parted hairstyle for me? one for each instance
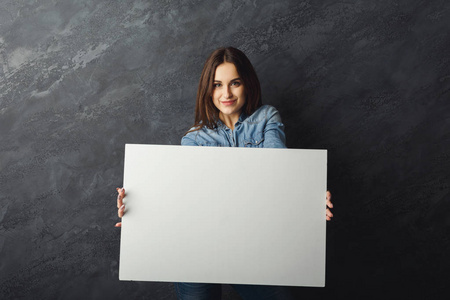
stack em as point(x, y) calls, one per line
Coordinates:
point(206, 113)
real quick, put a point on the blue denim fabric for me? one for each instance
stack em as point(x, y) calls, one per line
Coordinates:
point(205, 291)
point(198, 291)
point(262, 129)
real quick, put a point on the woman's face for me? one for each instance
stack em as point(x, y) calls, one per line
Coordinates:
point(229, 93)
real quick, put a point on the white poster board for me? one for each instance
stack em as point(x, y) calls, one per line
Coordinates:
point(224, 215)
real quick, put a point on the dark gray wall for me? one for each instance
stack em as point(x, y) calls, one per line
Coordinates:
point(369, 81)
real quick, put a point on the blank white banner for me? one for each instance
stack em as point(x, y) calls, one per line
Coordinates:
point(224, 215)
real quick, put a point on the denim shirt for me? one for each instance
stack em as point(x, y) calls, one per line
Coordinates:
point(262, 129)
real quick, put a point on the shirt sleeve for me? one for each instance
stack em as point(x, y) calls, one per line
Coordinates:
point(274, 136)
point(188, 140)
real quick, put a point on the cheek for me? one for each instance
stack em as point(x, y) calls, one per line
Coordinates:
point(215, 98)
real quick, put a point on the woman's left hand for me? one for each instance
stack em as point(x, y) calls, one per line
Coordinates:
point(329, 205)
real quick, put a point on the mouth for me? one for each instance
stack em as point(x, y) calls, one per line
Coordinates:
point(228, 103)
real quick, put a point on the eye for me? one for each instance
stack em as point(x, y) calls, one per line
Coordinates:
point(217, 85)
point(236, 84)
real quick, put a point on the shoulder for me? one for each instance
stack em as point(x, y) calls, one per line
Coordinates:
point(200, 137)
point(190, 138)
point(265, 113)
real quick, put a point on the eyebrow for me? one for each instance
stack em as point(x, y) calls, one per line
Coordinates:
point(235, 79)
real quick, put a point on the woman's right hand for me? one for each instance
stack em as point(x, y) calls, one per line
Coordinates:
point(120, 205)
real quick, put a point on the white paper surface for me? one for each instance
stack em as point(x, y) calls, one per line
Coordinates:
point(224, 215)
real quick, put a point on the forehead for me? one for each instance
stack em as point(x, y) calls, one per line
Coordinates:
point(225, 72)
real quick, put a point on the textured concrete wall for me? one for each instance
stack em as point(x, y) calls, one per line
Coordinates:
point(368, 80)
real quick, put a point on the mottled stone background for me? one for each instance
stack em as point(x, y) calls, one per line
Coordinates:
point(367, 80)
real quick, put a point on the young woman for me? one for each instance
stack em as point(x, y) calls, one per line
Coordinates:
point(229, 113)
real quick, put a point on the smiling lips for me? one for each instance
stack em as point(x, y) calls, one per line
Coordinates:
point(228, 103)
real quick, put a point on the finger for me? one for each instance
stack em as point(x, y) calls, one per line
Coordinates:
point(118, 224)
point(120, 196)
point(329, 214)
point(119, 201)
point(329, 204)
point(121, 192)
point(121, 211)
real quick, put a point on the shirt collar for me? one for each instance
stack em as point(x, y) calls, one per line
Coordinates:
point(241, 119)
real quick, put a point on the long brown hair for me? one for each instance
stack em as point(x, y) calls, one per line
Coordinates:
point(206, 113)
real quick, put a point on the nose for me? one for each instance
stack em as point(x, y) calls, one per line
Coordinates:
point(227, 93)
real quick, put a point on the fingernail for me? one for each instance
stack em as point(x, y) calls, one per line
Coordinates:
point(122, 207)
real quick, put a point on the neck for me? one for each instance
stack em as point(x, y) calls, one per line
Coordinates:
point(229, 120)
